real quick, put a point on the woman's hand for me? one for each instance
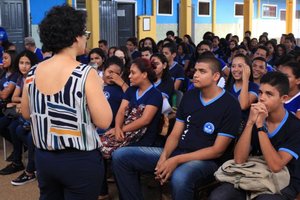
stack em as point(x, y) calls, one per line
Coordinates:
point(110, 133)
point(246, 72)
point(119, 134)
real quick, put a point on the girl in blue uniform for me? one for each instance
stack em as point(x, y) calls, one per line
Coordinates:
point(240, 83)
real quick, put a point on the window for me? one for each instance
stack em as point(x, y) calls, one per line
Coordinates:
point(238, 9)
point(165, 7)
point(80, 4)
point(204, 8)
point(282, 15)
point(269, 11)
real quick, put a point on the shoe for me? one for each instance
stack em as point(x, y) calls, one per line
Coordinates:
point(104, 197)
point(10, 158)
point(23, 179)
point(11, 168)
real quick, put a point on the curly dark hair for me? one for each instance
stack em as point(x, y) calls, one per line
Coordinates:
point(61, 26)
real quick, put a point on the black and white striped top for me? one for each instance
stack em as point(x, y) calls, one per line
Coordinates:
point(62, 120)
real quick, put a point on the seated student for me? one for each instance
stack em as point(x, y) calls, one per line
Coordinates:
point(273, 132)
point(114, 85)
point(292, 70)
point(263, 52)
point(8, 80)
point(240, 84)
point(97, 57)
point(114, 88)
point(25, 60)
point(143, 96)
point(149, 42)
point(205, 46)
point(259, 68)
point(176, 71)
point(183, 57)
point(164, 82)
point(132, 47)
point(146, 52)
point(198, 143)
point(165, 85)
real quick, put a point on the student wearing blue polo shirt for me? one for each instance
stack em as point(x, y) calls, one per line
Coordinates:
point(176, 71)
point(274, 133)
point(198, 143)
point(164, 82)
point(114, 85)
point(292, 70)
point(141, 93)
point(240, 83)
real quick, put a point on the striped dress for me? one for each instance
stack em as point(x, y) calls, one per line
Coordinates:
point(62, 120)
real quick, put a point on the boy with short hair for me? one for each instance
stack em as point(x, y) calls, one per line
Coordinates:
point(272, 132)
point(146, 52)
point(259, 68)
point(198, 143)
point(176, 70)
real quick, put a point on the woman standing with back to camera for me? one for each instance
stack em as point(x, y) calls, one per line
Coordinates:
point(65, 102)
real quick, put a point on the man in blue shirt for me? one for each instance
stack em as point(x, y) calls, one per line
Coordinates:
point(30, 45)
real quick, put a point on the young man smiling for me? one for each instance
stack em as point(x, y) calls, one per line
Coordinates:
point(207, 120)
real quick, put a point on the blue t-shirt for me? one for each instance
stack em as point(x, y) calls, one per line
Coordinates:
point(150, 97)
point(286, 137)
point(293, 105)
point(176, 71)
point(114, 95)
point(204, 121)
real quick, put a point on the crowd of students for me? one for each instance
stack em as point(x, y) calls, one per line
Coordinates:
point(238, 96)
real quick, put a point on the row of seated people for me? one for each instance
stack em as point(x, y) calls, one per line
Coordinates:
point(142, 78)
point(13, 127)
point(189, 115)
point(239, 84)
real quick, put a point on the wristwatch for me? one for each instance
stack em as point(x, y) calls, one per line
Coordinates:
point(263, 129)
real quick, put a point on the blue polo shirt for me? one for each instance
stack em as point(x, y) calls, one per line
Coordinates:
point(286, 137)
point(153, 97)
point(176, 71)
point(114, 95)
point(204, 121)
point(166, 87)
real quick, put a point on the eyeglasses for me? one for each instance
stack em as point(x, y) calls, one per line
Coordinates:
point(87, 34)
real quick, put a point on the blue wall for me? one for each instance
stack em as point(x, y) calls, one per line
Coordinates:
point(38, 8)
point(144, 7)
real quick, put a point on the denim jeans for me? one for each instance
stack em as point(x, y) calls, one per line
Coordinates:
point(129, 162)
